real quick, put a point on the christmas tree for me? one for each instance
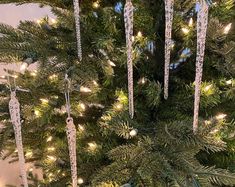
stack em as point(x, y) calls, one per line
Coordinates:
point(158, 146)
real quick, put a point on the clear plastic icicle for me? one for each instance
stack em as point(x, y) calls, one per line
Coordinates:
point(14, 109)
point(202, 21)
point(71, 135)
point(128, 18)
point(169, 11)
point(77, 24)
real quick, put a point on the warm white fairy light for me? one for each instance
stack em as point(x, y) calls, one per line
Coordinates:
point(207, 88)
point(51, 158)
point(185, 30)
point(142, 80)
point(39, 21)
point(96, 4)
point(37, 113)
point(85, 89)
point(53, 21)
point(3, 76)
point(133, 132)
point(34, 73)
point(227, 28)
point(29, 154)
point(15, 76)
point(214, 131)
point(111, 63)
point(133, 38)
point(80, 181)
point(54, 76)
point(220, 116)
point(92, 146)
point(190, 23)
point(229, 82)
point(95, 83)
point(23, 66)
point(139, 34)
point(119, 106)
point(207, 122)
point(30, 169)
point(51, 148)
point(44, 101)
point(49, 138)
point(82, 106)
point(81, 128)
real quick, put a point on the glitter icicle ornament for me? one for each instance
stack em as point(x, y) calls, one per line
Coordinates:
point(77, 24)
point(169, 10)
point(14, 109)
point(128, 18)
point(71, 135)
point(202, 21)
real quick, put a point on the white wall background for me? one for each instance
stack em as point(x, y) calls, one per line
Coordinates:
point(11, 14)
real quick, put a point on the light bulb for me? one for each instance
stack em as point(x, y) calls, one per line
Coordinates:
point(80, 181)
point(44, 101)
point(185, 30)
point(96, 4)
point(54, 76)
point(81, 127)
point(133, 38)
point(229, 82)
point(37, 113)
point(208, 87)
point(133, 132)
point(3, 76)
point(53, 21)
point(118, 106)
point(34, 73)
point(39, 21)
point(83, 106)
point(50, 148)
point(227, 28)
point(111, 63)
point(220, 116)
point(190, 23)
point(23, 66)
point(92, 146)
point(29, 154)
point(51, 158)
point(30, 169)
point(49, 138)
point(142, 80)
point(139, 34)
point(85, 89)
point(95, 83)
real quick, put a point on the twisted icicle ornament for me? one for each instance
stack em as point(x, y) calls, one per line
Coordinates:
point(169, 10)
point(202, 21)
point(14, 108)
point(71, 135)
point(78, 32)
point(128, 18)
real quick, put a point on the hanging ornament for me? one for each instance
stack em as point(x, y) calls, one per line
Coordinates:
point(169, 10)
point(78, 32)
point(128, 18)
point(14, 108)
point(71, 136)
point(202, 21)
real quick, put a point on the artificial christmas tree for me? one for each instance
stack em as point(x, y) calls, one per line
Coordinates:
point(155, 148)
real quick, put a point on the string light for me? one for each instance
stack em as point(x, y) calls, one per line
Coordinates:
point(29, 154)
point(52, 77)
point(96, 4)
point(111, 63)
point(23, 66)
point(51, 158)
point(39, 21)
point(207, 88)
point(15, 76)
point(207, 122)
point(133, 38)
point(190, 23)
point(44, 101)
point(229, 82)
point(49, 138)
point(53, 21)
point(95, 83)
point(85, 89)
point(82, 106)
point(118, 106)
point(34, 73)
point(139, 35)
point(37, 113)
point(142, 80)
point(51, 148)
point(80, 181)
point(133, 132)
point(227, 28)
point(30, 169)
point(185, 30)
point(81, 127)
point(220, 116)
point(92, 146)
point(3, 76)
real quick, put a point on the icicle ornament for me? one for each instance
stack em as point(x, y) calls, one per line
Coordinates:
point(169, 11)
point(71, 136)
point(202, 21)
point(14, 109)
point(77, 24)
point(128, 18)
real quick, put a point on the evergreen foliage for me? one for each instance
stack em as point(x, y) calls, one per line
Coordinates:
point(165, 152)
